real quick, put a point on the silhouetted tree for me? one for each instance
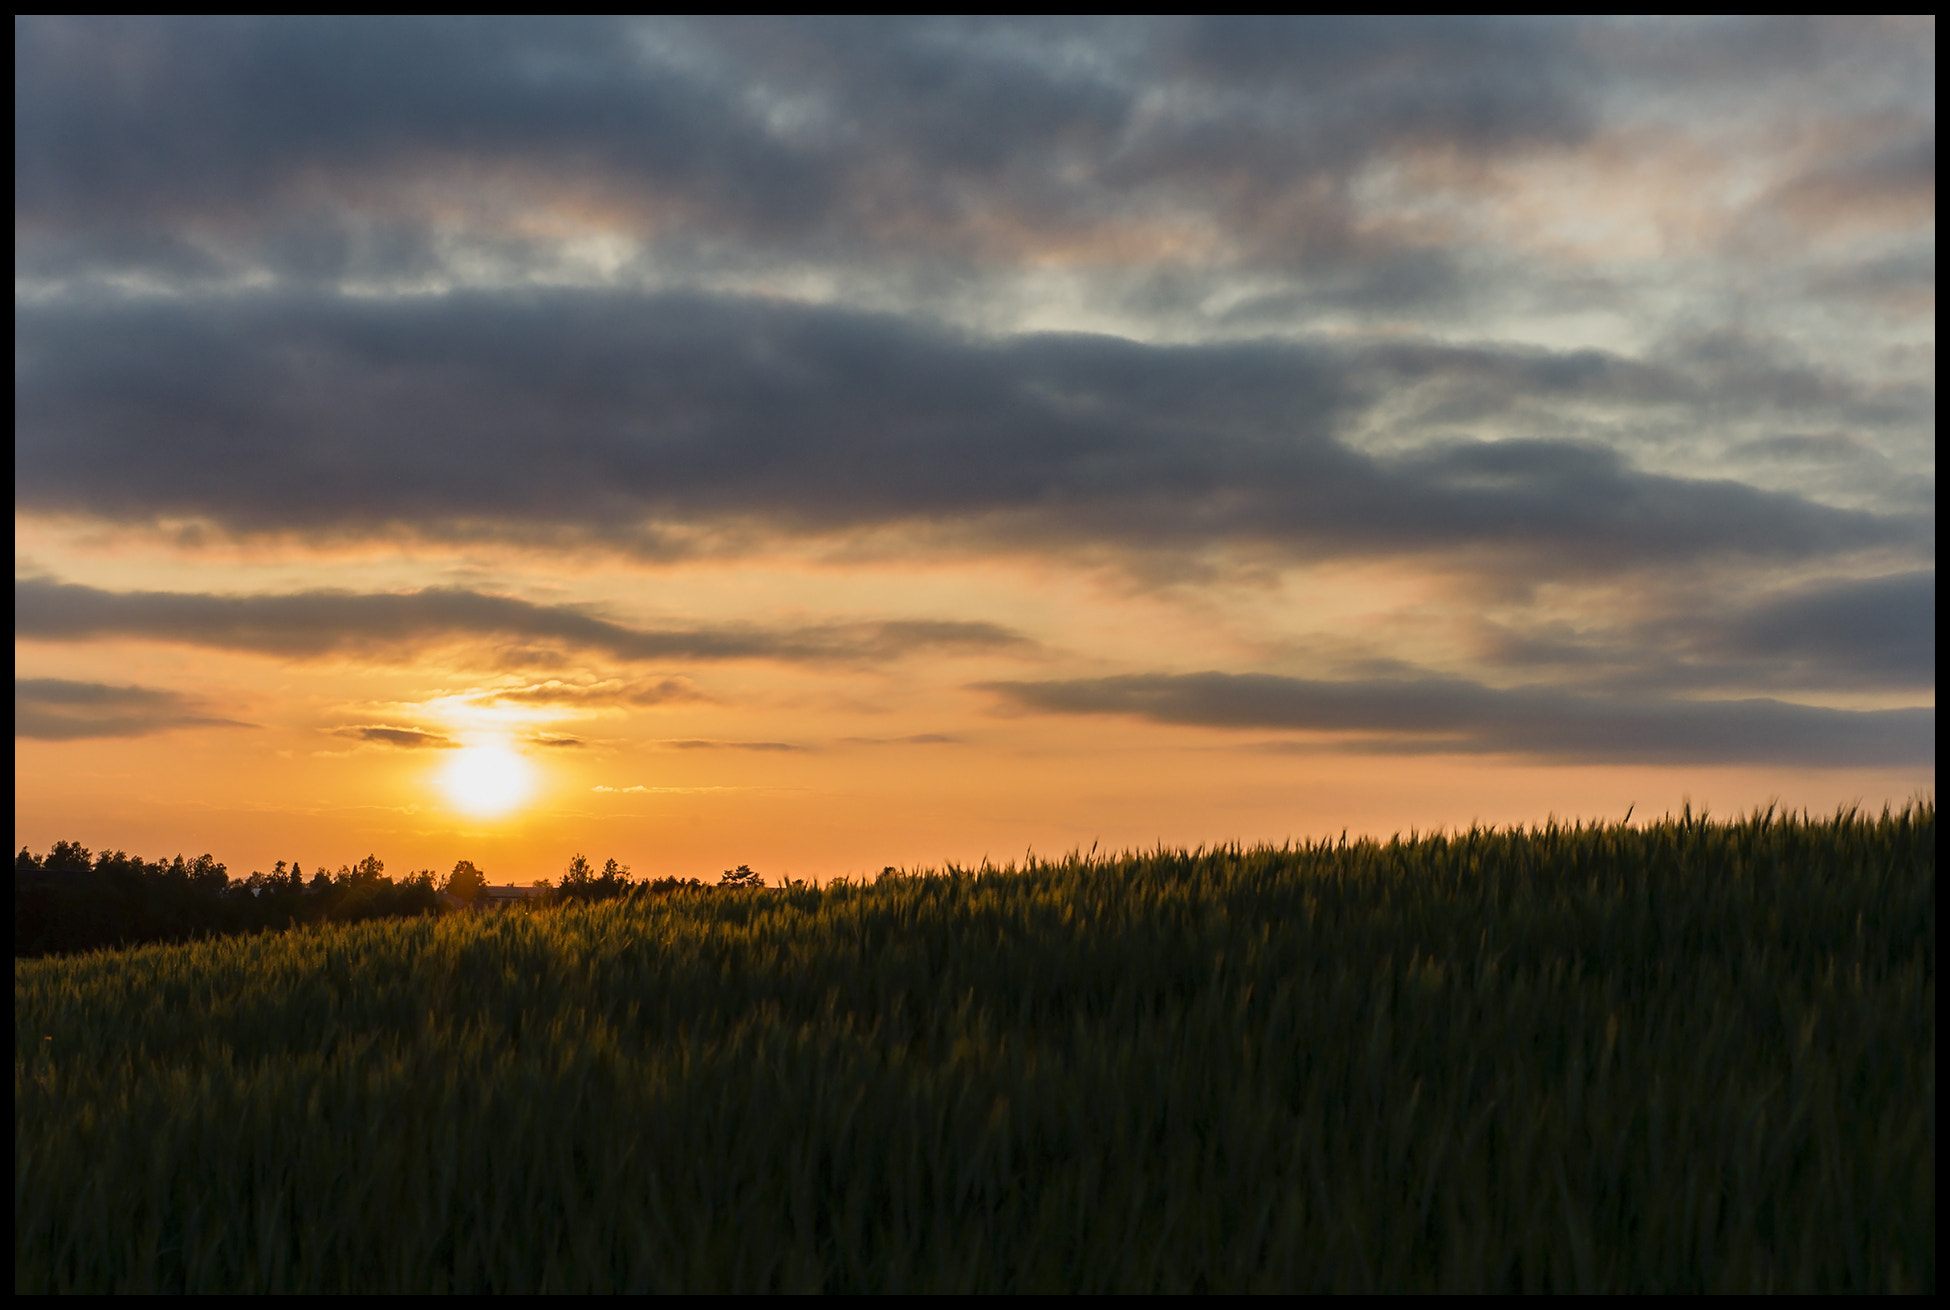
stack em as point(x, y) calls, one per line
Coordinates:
point(742, 876)
point(68, 901)
point(208, 876)
point(670, 886)
point(581, 882)
point(614, 880)
point(465, 882)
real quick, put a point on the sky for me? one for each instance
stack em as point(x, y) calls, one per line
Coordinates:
point(834, 445)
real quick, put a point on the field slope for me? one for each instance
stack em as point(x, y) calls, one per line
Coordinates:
point(1687, 1056)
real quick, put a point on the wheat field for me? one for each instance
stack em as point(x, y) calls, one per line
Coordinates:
point(1686, 1056)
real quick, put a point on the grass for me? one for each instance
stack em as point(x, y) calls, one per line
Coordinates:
point(1689, 1056)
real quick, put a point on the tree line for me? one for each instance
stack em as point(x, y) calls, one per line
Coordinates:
point(73, 900)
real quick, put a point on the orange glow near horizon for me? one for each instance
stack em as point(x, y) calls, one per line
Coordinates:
point(818, 769)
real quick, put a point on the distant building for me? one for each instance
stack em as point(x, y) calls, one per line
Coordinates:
point(492, 897)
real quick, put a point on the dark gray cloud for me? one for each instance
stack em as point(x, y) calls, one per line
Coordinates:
point(1847, 635)
point(137, 140)
point(227, 121)
point(1451, 716)
point(1881, 629)
point(556, 741)
point(57, 709)
point(1296, 107)
point(406, 738)
point(313, 624)
point(616, 417)
point(926, 155)
point(323, 148)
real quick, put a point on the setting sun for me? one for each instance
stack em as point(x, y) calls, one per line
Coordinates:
point(486, 780)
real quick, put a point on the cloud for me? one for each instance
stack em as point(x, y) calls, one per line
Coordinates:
point(913, 739)
point(315, 624)
point(1892, 183)
point(1851, 635)
point(313, 151)
point(1876, 630)
point(704, 744)
point(1192, 174)
point(1905, 279)
point(980, 138)
point(1714, 635)
point(1451, 716)
point(57, 709)
point(320, 277)
point(408, 738)
point(556, 741)
point(625, 419)
point(602, 692)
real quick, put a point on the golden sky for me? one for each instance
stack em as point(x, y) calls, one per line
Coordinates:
point(825, 446)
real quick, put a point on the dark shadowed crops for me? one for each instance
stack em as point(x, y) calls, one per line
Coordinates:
point(1690, 1056)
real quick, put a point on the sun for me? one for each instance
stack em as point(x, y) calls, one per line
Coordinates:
point(487, 779)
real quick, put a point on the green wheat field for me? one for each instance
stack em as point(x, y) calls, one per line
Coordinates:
point(1685, 1056)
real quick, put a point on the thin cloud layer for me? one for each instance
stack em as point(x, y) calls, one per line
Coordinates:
point(316, 624)
point(1435, 716)
point(405, 738)
point(912, 739)
point(600, 693)
point(706, 744)
point(59, 709)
